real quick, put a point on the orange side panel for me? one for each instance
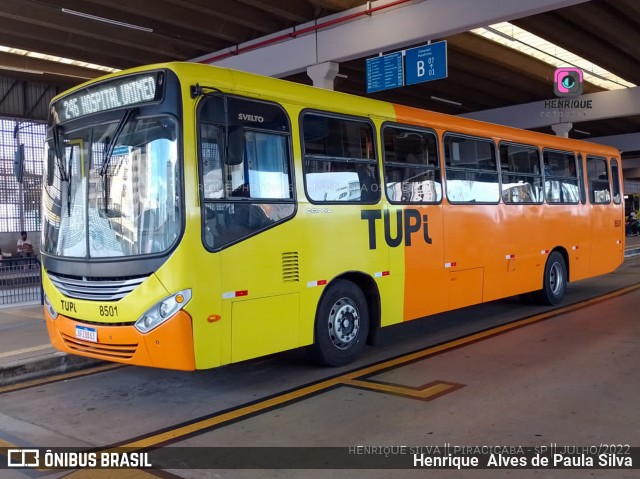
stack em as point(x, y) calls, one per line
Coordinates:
point(425, 277)
point(169, 346)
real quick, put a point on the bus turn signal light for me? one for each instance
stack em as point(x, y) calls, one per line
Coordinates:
point(214, 318)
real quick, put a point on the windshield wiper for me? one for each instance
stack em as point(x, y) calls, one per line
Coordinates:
point(69, 183)
point(109, 152)
point(58, 152)
point(112, 144)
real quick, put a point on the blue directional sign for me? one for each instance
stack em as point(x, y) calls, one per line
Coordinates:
point(426, 63)
point(120, 150)
point(384, 72)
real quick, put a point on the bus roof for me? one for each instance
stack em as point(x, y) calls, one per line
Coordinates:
point(235, 81)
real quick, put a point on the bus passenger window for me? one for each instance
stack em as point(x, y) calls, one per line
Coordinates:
point(339, 160)
point(561, 183)
point(471, 170)
point(521, 174)
point(411, 166)
point(615, 178)
point(598, 177)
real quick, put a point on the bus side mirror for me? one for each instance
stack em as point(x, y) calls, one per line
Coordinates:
point(18, 163)
point(235, 145)
point(51, 164)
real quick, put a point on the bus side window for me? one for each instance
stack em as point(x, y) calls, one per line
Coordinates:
point(521, 174)
point(598, 178)
point(340, 163)
point(210, 159)
point(615, 179)
point(561, 177)
point(411, 166)
point(245, 165)
point(471, 170)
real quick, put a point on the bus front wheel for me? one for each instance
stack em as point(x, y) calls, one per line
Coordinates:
point(342, 324)
point(554, 283)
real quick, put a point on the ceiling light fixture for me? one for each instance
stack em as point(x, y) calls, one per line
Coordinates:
point(444, 100)
point(53, 58)
point(106, 20)
point(527, 43)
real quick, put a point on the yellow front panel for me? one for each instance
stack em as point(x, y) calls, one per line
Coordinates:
point(264, 326)
point(127, 309)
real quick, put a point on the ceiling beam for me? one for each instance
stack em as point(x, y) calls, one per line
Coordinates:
point(337, 5)
point(604, 105)
point(83, 49)
point(183, 37)
point(232, 12)
point(65, 29)
point(385, 30)
point(292, 10)
point(598, 19)
point(626, 142)
point(167, 13)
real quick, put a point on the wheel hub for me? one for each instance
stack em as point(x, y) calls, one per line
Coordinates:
point(344, 323)
point(556, 279)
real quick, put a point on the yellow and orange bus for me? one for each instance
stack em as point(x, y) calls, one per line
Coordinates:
point(196, 216)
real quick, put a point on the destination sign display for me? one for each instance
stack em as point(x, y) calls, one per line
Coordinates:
point(109, 95)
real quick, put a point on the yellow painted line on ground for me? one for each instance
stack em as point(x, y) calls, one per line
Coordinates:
point(428, 392)
point(231, 415)
point(60, 377)
point(25, 350)
point(269, 403)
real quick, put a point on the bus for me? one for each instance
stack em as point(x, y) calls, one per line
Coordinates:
point(196, 216)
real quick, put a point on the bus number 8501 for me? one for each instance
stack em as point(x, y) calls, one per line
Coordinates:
point(109, 311)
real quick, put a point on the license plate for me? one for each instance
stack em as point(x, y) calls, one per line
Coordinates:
point(87, 334)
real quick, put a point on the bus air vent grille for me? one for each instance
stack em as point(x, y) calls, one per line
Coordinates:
point(290, 267)
point(107, 351)
point(95, 289)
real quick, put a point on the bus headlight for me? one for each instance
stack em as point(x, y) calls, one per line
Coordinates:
point(163, 310)
point(47, 304)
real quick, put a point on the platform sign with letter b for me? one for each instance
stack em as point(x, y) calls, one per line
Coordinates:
point(426, 63)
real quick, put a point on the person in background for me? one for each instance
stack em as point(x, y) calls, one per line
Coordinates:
point(25, 248)
point(632, 224)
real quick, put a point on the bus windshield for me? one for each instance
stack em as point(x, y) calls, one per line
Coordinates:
point(114, 190)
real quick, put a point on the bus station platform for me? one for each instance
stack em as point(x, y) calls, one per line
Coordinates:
point(26, 353)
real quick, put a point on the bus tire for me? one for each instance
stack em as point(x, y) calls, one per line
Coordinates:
point(554, 283)
point(342, 324)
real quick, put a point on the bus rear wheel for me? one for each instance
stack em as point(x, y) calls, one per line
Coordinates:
point(342, 324)
point(554, 283)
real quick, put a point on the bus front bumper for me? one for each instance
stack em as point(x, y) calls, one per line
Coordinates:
point(169, 346)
